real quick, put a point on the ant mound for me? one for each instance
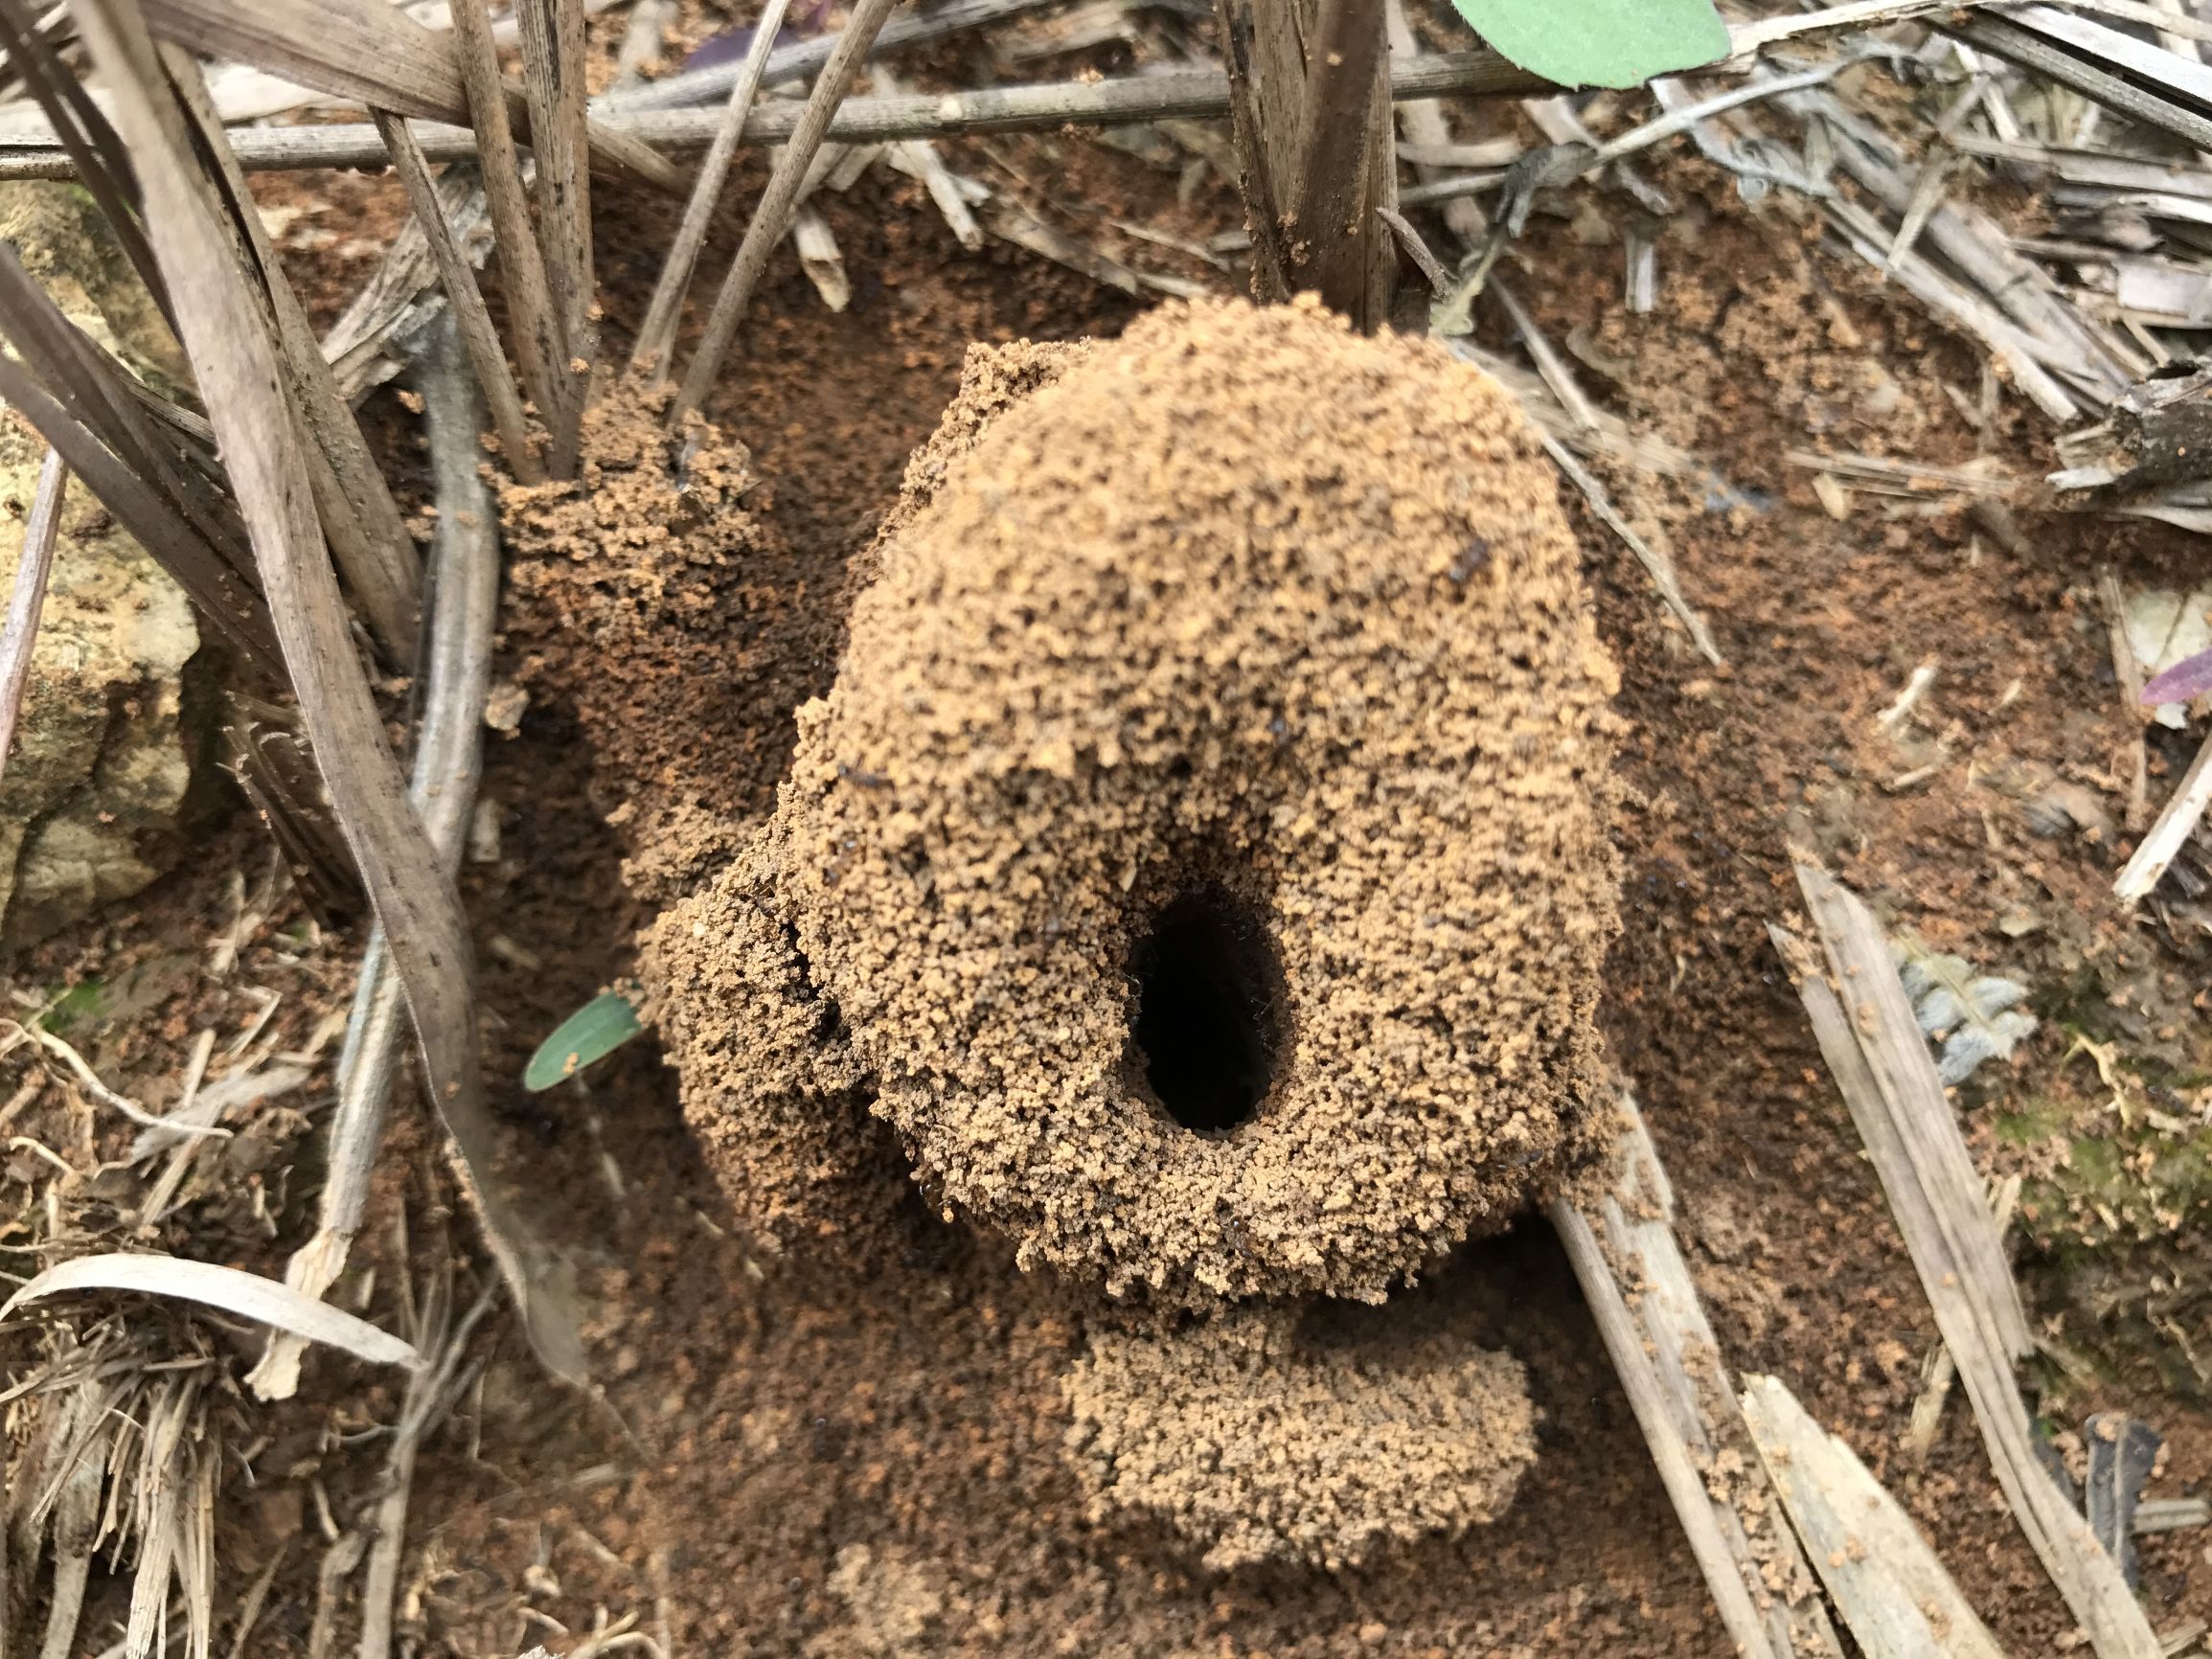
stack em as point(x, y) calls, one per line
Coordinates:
point(1201, 858)
point(1258, 1443)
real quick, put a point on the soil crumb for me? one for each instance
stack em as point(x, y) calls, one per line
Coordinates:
point(651, 596)
point(1258, 1442)
point(1201, 858)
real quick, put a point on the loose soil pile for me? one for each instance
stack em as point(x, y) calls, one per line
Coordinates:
point(1200, 860)
point(1261, 1440)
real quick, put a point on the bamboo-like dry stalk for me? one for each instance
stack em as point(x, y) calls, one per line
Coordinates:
point(540, 345)
point(88, 137)
point(371, 544)
point(167, 524)
point(373, 54)
point(107, 399)
point(1184, 94)
point(226, 336)
point(1881, 1063)
point(448, 757)
point(553, 82)
point(1629, 1265)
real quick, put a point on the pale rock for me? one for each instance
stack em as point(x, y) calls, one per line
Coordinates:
point(91, 799)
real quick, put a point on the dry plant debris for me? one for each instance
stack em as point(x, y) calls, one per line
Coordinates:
point(1620, 1238)
point(1892, 1590)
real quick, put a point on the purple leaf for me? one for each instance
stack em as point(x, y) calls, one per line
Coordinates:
point(2185, 682)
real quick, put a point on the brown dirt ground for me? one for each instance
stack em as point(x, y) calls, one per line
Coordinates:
point(787, 1459)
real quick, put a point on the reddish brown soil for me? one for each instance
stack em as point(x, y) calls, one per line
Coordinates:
point(792, 1458)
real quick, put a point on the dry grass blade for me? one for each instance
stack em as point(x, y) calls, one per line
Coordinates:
point(2023, 354)
point(431, 1394)
point(247, 1295)
point(2184, 811)
point(266, 753)
point(89, 1080)
point(2128, 670)
point(73, 392)
point(41, 532)
point(2092, 67)
point(75, 1519)
point(448, 757)
point(1677, 1473)
point(2087, 353)
point(799, 58)
point(224, 334)
point(1889, 1031)
point(370, 342)
point(1658, 568)
point(1882, 1064)
point(484, 355)
point(363, 52)
point(97, 390)
point(215, 587)
point(772, 219)
point(553, 82)
point(540, 345)
point(374, 553)
point(656, 335)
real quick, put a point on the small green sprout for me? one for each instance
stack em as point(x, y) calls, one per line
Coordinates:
point(589, 1035)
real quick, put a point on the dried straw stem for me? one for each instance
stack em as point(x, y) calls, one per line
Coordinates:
point(449, 760)
point(225, 334)
point(553, 82)
point(774, 217)
point(1184, 94)
point(487, 357)
point(656, 335)
point(374, 553)
point(540, 344)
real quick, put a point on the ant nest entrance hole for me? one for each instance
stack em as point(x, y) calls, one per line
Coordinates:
point(1206, 1026)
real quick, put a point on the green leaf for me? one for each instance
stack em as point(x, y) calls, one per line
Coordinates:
point(1600, 43)
point(590, 1033)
